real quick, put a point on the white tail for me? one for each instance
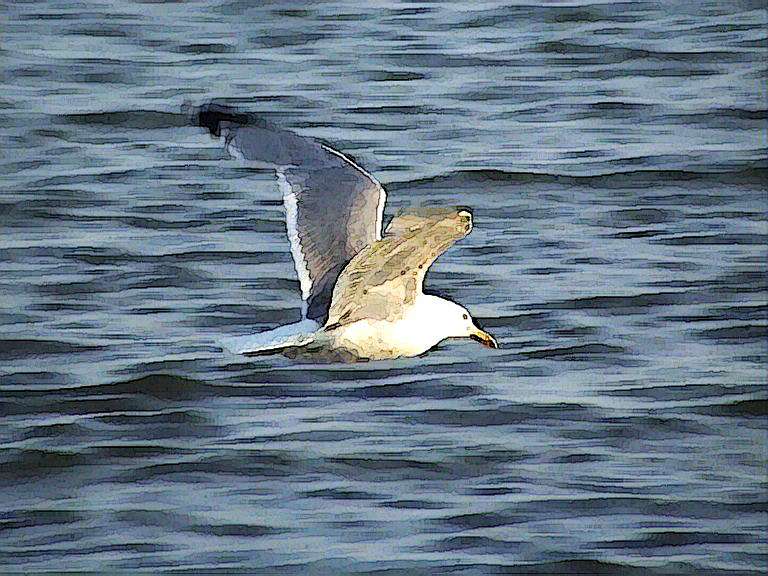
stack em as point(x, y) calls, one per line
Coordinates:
point(288, 336)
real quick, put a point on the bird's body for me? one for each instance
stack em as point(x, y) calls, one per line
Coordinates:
point(361, 286)
point(421, 326)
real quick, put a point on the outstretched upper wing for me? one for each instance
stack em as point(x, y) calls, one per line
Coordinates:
point(389, 274)
point(333, 207)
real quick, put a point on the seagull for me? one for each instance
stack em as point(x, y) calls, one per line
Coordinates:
point(361, 286)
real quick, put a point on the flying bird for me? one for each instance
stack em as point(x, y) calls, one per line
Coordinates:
point(361, 286)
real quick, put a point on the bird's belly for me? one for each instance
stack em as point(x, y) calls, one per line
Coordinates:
point(379, 340)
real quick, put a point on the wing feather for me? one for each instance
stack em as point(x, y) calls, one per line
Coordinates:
point(389, 274)
point(334, 208)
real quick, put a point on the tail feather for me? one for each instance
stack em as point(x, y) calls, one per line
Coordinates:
point(273, 341)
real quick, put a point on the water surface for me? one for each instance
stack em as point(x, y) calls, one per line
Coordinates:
point(614, 157)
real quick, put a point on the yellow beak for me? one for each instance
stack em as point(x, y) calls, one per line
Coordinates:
point(484, 338)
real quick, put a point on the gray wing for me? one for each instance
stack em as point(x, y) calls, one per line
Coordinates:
point(389, 274)
point(333, 207)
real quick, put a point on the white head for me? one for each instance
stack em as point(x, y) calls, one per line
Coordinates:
point(450, 320)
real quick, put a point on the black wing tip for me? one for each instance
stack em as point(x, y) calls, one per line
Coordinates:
point(212, 114)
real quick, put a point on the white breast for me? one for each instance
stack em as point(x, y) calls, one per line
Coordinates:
point(413, 334)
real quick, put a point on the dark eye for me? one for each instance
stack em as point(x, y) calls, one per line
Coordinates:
point(465, 317)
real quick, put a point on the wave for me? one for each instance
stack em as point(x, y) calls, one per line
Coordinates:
point(140, 119)
point(751, 174)
point(26, 348)
point(755, 407)
point(157, 119)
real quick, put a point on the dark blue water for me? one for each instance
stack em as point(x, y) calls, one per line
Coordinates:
point(614, 157)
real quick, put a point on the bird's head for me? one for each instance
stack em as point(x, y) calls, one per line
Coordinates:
point(458, 323)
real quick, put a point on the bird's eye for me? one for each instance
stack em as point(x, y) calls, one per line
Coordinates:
point(465, 317)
